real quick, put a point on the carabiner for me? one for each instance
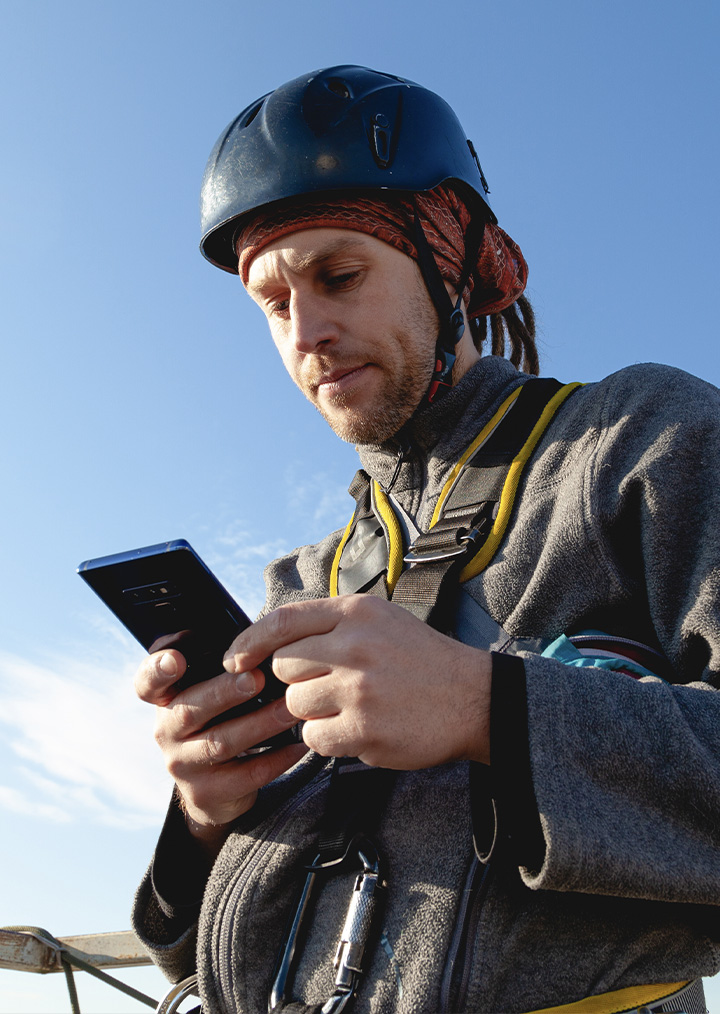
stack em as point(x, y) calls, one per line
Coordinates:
point(359, 921)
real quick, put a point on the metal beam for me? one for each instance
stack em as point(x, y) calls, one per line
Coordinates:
point(26, 950)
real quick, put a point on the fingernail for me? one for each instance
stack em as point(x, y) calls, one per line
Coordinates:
point(168, 665)
point(282, 714)
point(245, 683)
point(229, 663)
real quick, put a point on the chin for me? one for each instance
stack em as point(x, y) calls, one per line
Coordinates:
point(354, 429)
point(375, 423)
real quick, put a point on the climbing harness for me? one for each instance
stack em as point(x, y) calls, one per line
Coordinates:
point(472, 514)
point(469, 521)
point(668, 998)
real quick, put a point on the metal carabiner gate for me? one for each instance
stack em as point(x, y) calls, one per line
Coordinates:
point(359, 922)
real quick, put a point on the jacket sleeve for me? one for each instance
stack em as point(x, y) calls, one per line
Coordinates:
point(167, 903)
point(626, 772)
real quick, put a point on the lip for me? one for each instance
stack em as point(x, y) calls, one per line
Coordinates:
point(340, 379)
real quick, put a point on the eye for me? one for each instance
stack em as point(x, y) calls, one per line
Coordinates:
point(344, 280)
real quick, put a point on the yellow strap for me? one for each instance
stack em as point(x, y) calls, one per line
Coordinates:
point(482, 436)
point(395, 539)
point(618, 1000)
point(335, 569)
point(507, 497)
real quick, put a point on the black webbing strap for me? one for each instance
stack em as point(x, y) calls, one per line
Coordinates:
point(369, 568)
point(450, 316)
point(355, 802)
point(428, 588)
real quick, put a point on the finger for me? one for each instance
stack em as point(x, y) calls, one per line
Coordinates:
point(191, 710)
point(186, 752)
point(285, 625)
point(316, 698)
point(156, 676)
point(305, 659)
point(221, 792)
point(332, 737)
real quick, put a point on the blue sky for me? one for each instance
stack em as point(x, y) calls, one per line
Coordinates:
point(142, 400)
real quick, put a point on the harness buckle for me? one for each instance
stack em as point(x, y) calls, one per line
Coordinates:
point(464, 537)
point(359, 922)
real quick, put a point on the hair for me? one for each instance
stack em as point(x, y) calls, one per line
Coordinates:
point(517, 328)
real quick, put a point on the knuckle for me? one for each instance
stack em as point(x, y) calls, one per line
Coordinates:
point(215, 748)
point(184, 717)
point(216, 694)
point(280, 620)
point(159, 734)
point(258, 774)
point(367, 605)
point(161, 730)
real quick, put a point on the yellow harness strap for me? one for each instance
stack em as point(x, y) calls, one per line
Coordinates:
point(617, 1001)
point(384, 512)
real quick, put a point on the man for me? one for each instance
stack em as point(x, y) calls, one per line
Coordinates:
point(545, 834)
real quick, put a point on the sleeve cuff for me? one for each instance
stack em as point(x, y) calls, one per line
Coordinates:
point(179, 870)
point(505, 814)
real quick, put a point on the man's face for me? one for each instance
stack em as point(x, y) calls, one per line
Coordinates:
point(354, 324)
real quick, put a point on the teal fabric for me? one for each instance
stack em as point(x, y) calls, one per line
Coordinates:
point(565, 651)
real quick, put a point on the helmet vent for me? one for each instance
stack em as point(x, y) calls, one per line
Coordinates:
point(338, 87)
point(250, 114)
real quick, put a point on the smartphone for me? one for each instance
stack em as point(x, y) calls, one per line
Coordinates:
point(168, 598)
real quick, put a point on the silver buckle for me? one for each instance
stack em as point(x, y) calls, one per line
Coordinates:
point(464, 536)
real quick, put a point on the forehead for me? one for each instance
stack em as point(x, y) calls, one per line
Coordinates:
point(307, 249)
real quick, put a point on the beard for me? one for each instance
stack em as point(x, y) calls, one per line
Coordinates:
point(405, 360)
point(389, 413)
point(402, 385)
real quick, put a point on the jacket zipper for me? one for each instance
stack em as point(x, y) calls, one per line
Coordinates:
point(229, 908)
point(458, 966)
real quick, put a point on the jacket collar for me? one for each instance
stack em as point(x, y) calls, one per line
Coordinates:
point(437, 435)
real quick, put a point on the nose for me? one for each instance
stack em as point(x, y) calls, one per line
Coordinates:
point(313, 326)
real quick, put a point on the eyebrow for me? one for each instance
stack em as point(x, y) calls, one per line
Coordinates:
point(328, 251)
point(316, 258)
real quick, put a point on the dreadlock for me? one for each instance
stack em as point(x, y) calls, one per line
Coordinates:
point(519, 328)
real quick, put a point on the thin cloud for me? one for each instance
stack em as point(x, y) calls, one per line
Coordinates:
point(320, 502)
point(238, 559)
point(82, 743)
point(334, 507)
point(13, 801)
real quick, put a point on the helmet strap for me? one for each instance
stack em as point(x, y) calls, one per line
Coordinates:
point(452, 323)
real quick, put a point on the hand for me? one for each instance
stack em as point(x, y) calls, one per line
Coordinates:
point(216, 782)
point(372, 681)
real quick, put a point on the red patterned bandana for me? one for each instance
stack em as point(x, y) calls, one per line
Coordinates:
point(497, 280)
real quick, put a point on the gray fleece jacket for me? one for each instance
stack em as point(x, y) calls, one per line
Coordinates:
point(615, 528)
